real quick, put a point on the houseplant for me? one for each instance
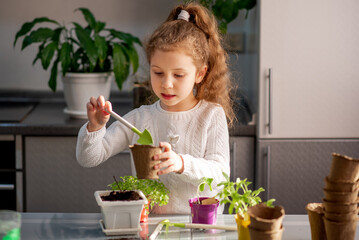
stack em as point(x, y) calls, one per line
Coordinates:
point(121, 214)
point(154, 190)
point(91, 49)
point(240, 198)
point(204, 209)
point(226, 11)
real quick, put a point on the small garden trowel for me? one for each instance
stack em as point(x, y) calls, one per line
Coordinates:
point(145, 136)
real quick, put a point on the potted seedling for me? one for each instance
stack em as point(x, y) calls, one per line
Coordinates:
point(226, 11)
point(87, 56)
point(154, 190)
point(204, 209)
point(142, 156)
point(121, 210)
point(240, 198)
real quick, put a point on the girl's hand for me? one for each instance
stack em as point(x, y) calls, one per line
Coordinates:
point(96, 113)
point(170, 161)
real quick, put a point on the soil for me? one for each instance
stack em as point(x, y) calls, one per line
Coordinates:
point(209, 201)
point(122, 196)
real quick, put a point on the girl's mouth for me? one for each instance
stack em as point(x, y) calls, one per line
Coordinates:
point(167, 96)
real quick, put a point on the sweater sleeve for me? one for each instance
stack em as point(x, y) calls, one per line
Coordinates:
point(216, 152)
point(94, 148)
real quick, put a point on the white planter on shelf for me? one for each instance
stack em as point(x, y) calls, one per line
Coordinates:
point(121, 214)
point(79, 87)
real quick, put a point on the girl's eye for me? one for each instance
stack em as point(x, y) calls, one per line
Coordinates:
point(179, 75)
point(158, 73)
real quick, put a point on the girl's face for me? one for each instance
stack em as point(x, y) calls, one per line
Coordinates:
point(173, 75)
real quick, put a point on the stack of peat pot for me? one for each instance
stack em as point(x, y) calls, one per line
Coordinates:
point(341, 198)
point(266, 222)
point(339, 210)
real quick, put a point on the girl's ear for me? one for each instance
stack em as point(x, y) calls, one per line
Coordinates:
point(201, 73)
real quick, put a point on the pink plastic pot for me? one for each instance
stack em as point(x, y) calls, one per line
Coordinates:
point(205, 214)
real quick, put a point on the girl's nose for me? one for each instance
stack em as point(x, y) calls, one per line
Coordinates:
point(167, 82)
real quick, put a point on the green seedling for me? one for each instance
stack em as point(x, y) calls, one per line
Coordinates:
point(154, 190)
point(204, 181)
point(239, 196)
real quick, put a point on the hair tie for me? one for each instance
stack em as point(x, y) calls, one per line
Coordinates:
point(184, 15)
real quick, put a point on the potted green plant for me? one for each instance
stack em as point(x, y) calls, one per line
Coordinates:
point(226, 11)
point(94, 50)
point(204, 209)
point(120, 210)
point(240, 198)
point(154, 190)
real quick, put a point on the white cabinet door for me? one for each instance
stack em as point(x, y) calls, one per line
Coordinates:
point(312, 50)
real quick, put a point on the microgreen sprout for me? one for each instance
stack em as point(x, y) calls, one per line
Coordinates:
point(154, 190)
point(202, 184)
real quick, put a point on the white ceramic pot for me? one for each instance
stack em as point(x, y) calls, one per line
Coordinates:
point(79, 87)
point(121, 214)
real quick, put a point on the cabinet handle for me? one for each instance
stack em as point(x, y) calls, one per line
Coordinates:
point(233, 160)
point(270, 79)
point(268, 172)
point(7, 186)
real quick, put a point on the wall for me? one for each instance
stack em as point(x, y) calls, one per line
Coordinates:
point(138, 17)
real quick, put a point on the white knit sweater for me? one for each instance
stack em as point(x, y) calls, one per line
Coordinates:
point(199, 135)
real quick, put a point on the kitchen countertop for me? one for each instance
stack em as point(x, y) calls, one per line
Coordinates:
point(45, 115)
point(86, 226)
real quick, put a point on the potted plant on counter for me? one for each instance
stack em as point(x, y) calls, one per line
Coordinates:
point(154, 190)
point(89, 57)
point(204, 209)
point(121, 211)
point(240, 198)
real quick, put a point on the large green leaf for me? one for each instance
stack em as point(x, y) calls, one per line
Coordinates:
point(38, 55)
point(75, 60)
point(99, 26)
point(120, 65)
point(65, 57)
point(89, 17)
point(101, 45)
point(88, 44)
point(26, 27)
point(53, 77)
point(126, 37)
point(39, 35)
point(57, 34)
point(133, 56)
point(226, 10)
point(47, 53)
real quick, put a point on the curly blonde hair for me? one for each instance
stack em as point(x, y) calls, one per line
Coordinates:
point(200, 38)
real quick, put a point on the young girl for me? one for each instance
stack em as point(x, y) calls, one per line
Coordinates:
point(189, 75)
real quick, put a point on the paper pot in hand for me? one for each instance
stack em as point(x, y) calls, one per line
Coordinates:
point(142, 156)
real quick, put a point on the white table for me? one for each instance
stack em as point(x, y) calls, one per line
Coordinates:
point(86, 226)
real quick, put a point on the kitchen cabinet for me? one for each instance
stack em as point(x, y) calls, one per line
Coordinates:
point(308, 69)
point(293, 171)
point(55, 182)
point(11, 173)
point(242, 154)
point(307, 101)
